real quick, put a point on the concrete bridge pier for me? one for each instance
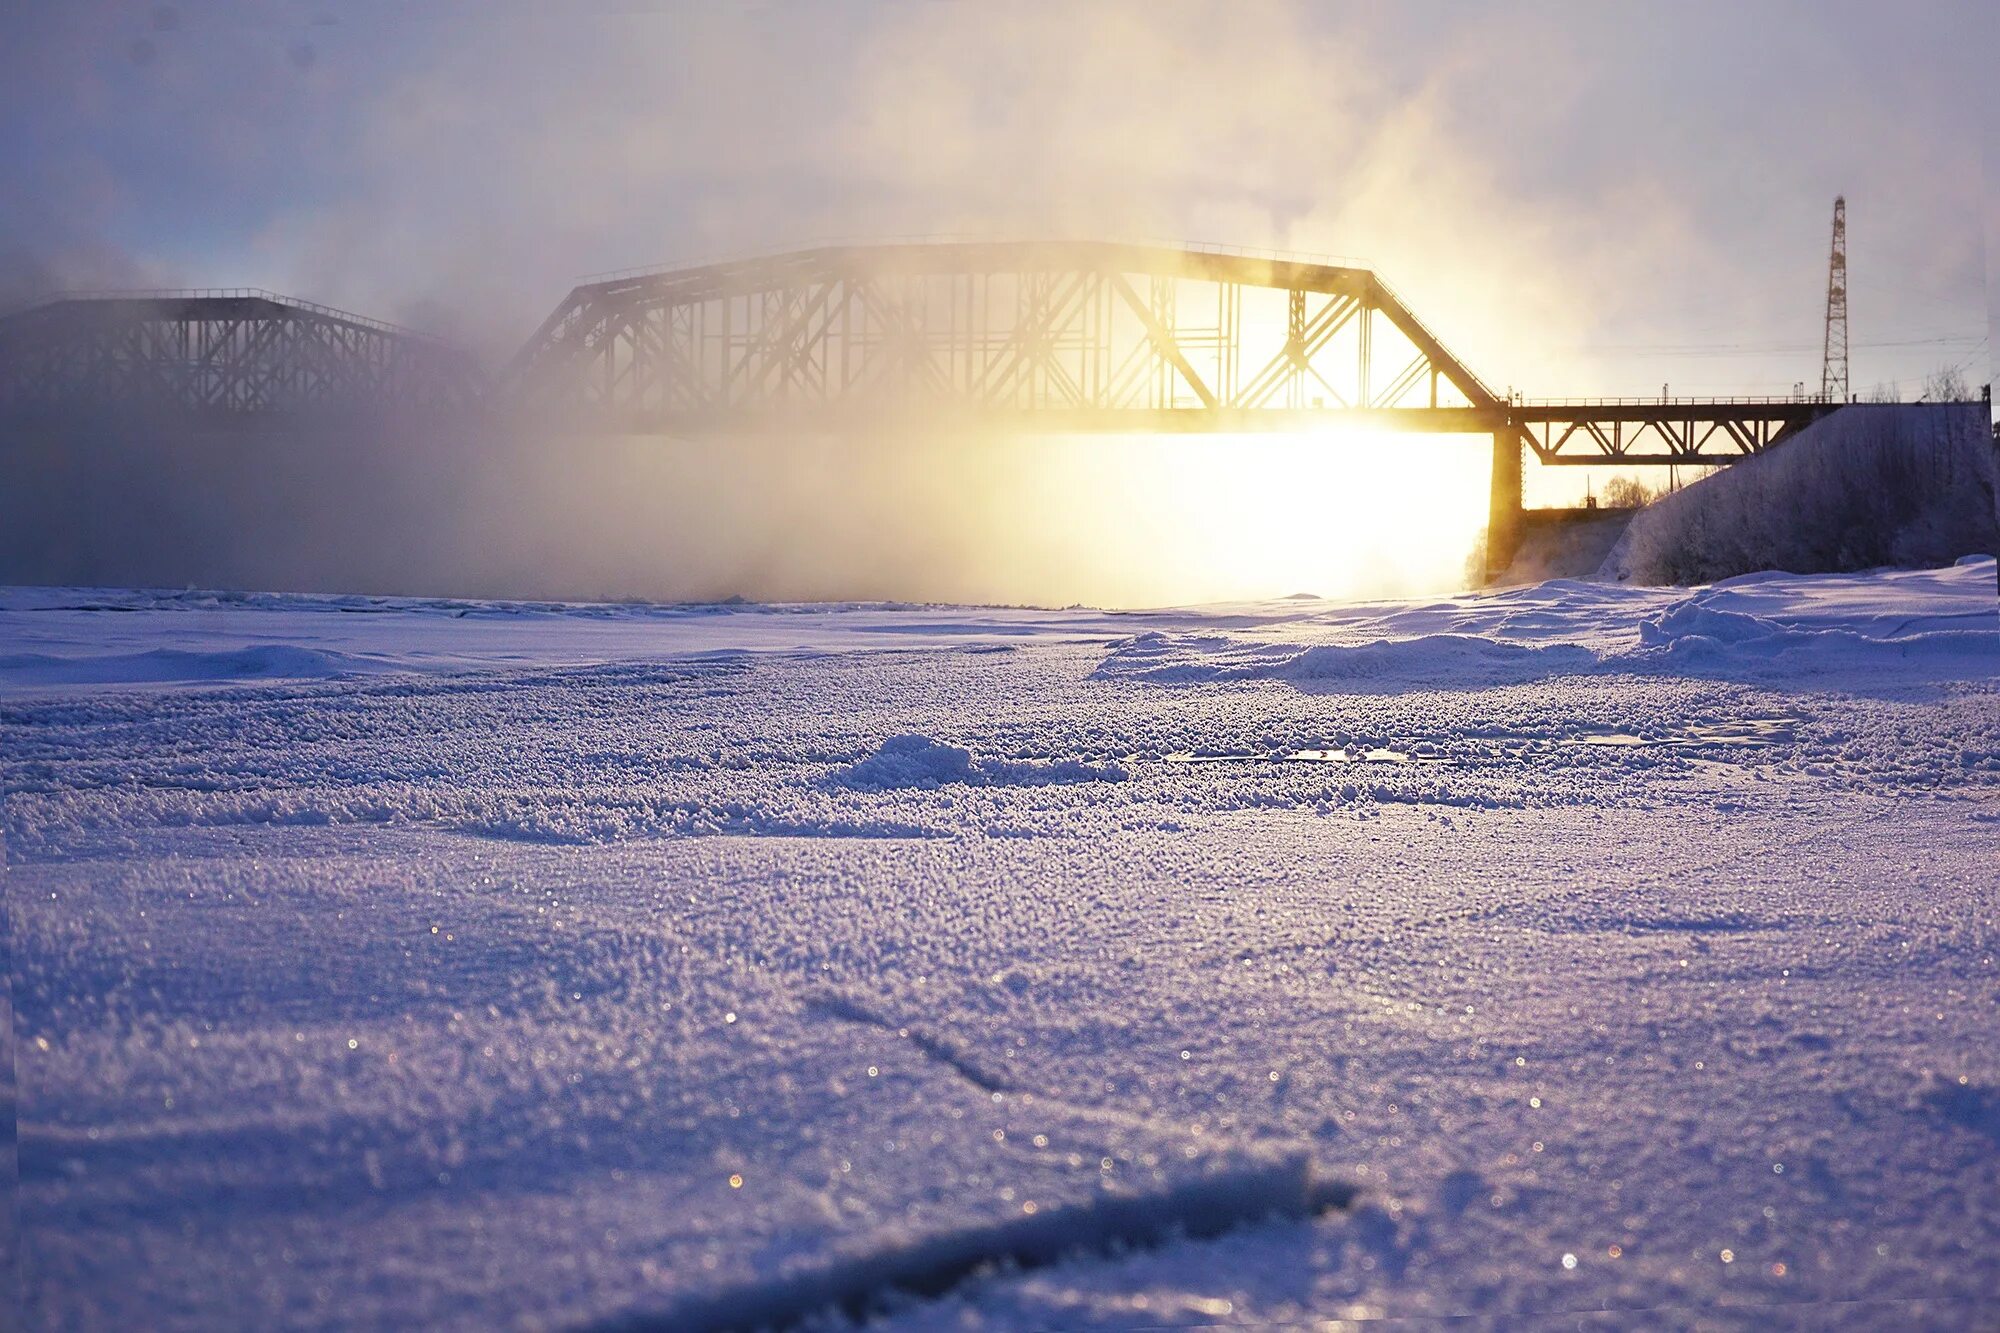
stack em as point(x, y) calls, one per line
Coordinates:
point(1503, 523)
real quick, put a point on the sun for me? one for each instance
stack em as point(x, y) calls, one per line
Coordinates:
point(1337, 512)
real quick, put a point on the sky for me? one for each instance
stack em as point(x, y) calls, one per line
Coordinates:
point(1579, 198)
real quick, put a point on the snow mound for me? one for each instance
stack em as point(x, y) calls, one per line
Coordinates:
point(1696, 630)
point(920, 762)
point(1433, 657)
point(911, 761)
point(1449, 660)
point(270, 661)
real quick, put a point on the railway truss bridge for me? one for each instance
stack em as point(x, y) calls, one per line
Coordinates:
point(1051, 337)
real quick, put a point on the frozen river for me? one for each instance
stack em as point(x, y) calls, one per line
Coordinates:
point(1568, 949)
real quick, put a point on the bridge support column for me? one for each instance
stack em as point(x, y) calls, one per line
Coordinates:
point(1503, 524)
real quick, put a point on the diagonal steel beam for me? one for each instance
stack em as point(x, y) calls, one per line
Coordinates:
point(1163, 340)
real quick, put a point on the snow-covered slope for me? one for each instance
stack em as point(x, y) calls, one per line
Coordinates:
point(1871, 485)
point(1571, 948)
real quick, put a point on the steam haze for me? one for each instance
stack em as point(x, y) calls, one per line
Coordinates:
point(1543, 184)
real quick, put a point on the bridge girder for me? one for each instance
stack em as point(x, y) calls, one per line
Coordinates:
point(220, 357)
point(1052, 335)
point(1691, 432)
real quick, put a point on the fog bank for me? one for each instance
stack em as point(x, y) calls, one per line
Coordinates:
point(450, 508)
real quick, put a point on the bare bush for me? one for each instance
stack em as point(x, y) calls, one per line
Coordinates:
point(1627, 493)
point(1946, 384)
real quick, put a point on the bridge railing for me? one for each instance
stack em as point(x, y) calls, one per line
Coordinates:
point(1410, 314)
point(1692, 400)
point(742, 256)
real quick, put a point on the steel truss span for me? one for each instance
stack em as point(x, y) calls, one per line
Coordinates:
point(225, 356)
point(1086, 336)
point(1615, 433)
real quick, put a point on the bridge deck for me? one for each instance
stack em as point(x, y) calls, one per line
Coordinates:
point(1576, 433)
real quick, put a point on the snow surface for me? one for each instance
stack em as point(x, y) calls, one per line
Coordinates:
point(1573, 948)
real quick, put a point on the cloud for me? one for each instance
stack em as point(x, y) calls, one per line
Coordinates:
point(1546, 182)
point(1543, 182)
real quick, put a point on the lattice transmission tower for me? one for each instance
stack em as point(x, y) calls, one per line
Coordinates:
point(1833, 367)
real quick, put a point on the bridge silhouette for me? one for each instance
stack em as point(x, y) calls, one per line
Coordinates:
point(1028, 336)
point(220, 354)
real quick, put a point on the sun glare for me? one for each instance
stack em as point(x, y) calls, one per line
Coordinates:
point(1339, 513)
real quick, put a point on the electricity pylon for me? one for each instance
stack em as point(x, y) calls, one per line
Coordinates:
point(1833, 371)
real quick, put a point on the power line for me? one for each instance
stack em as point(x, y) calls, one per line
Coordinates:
point(1731, 349)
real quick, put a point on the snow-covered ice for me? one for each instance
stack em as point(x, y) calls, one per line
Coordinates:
point(1573, 948)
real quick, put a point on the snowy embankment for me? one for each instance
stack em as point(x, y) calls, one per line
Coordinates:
point(446, 964)
point(1871, 485)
